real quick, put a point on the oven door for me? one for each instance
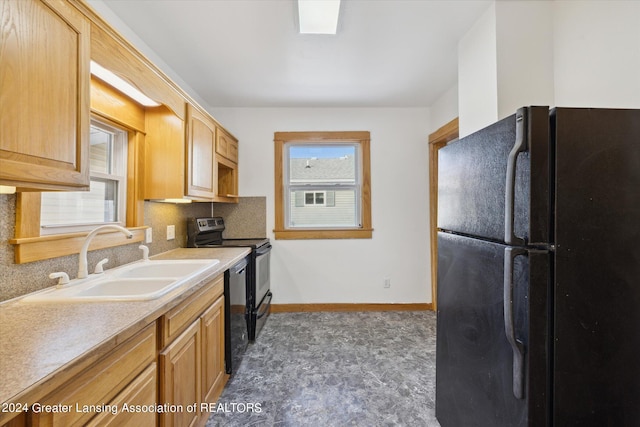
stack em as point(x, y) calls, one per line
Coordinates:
point(263, 260)
point(261, 313)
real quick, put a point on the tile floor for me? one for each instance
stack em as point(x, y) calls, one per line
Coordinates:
point(336, 369)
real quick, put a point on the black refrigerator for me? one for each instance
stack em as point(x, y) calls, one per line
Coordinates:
point(538, 296)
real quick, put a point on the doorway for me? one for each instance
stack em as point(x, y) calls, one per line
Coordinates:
point(437, 140)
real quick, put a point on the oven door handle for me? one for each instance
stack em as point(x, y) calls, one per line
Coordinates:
point(262, 250)
point(266, 305)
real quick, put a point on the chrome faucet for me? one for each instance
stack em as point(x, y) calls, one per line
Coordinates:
point(82, 263)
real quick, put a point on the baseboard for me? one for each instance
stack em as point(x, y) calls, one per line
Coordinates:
point(297, 308)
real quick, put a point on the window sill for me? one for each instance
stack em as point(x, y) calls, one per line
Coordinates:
point(29, 249)
point(356, 233)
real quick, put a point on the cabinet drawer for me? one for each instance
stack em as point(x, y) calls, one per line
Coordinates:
point(141, 391)
point(101, 382)
point(176, 320)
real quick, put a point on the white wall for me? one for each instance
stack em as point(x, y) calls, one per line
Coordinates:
point(444, 109)
point(597, 53)
point(477, 75)
point(561, 53)
point(348, 271)
point(524, 35)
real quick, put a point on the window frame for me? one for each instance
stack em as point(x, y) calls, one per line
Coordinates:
point(118, 162)
point(360, 138)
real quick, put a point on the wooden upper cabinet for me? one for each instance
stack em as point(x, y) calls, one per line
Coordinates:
point(227, 146)
point(44, 95)
point(201, 139)
point(164, 154)
point(226, 167)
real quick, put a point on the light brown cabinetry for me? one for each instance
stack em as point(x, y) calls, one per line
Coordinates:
point(226, 167)
point(201, 139)
point(164, 155)
point(213, 369)
point(44, 95)
point(180, 378)
point(125, 371)
point(183, 160)
point(192, 362)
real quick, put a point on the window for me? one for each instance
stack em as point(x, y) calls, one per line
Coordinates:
point(314, 198)
point(105, 203)
point(322, 185)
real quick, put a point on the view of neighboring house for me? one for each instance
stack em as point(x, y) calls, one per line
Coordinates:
point(323, 191)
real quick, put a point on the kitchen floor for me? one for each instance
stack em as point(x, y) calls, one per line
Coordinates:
point(336, 369)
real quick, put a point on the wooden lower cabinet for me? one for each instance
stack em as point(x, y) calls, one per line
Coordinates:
point(180, 378)
point(102, 384)
point(192, 369)
point(140, 393)
point(191, 364)
point(213, 369)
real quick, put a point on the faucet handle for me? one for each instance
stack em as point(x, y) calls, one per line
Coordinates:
point(145, 252)
point(99, 268)
point(63, 278)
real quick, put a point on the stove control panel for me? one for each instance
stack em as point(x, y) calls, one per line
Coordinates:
point(210, 224)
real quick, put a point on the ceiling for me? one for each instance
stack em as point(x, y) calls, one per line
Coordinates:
point(248, 53)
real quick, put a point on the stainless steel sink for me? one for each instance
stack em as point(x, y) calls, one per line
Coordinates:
point(139, 281)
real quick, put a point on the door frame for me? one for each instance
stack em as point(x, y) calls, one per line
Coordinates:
point(437, 140)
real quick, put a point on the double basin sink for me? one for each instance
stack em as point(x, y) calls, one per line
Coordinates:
point(138, 281)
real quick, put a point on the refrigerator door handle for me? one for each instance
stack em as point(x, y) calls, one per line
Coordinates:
point(510, 188)
point(516, 346)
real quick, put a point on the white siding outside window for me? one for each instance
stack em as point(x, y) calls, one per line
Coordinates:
point(323, 183)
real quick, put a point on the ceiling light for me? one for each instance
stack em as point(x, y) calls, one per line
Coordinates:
point(318, 16)
point(124, 87)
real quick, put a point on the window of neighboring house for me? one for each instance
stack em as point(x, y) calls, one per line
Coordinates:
point(105, 203)
point(315, 198)
point(323, 188)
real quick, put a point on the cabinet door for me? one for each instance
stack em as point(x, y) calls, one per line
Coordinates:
point(213, 370)
point(101, 382)
point(180, 384)
point(44, 95)
point(226, 145)
point(141, 391)
point(201, 138)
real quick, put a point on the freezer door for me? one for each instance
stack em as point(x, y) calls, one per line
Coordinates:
point(478, 174)
point(479, 381)
point(597, 290)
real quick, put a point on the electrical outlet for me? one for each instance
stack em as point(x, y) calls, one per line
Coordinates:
point(148, 235)
point(387, 282)
point(171, 232)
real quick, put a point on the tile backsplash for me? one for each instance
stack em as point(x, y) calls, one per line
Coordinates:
point(243, 220)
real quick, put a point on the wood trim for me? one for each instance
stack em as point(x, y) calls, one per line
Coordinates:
point(359, 233)
point(363, 138)
point(135, 179)
point(28, 215)
point(308, 308)
point(437, 140)
point(38, 248)
point(316, 136)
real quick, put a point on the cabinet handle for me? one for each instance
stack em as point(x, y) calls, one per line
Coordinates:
point(232, 195)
